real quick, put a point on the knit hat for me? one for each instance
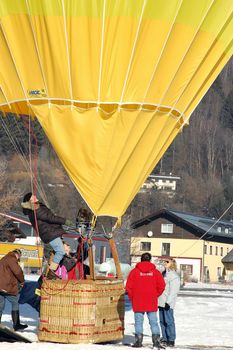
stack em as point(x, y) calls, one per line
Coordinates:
point(27, 197)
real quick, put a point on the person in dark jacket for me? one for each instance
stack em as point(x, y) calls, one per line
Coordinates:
point(81, 270)
point(144, 285)
point(49, 227)
point(11, 280)
point(66, 264)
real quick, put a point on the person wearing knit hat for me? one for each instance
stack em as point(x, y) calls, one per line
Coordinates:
point(49, 227)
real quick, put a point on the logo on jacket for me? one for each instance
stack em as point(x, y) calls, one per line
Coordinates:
point(146, 273)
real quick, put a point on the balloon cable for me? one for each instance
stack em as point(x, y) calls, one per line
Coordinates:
point(210, 228)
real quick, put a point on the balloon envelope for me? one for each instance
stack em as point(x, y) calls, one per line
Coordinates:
point(111, 82)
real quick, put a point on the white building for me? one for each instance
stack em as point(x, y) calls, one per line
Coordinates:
point(161, 182)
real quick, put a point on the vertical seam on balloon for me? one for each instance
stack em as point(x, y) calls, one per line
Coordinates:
point(155, 161)
point(139, 113)
point(114, 170)
point(12, 57)
point(4, 95)
point(67, 51)
point(101, 53)
point(133, 50)
point(160, 56)
point(37, 49)
point(216, 64)
point(183, 58)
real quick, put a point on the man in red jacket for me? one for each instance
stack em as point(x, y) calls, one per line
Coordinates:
point(144, 285)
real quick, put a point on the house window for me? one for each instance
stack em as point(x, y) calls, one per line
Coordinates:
point(226, 230)
point(165, 249)
point(216, 250)
point(145, 246)
point(167, 228)
point(211, 250)
point(221, 251)
point(206, 274)
point(188, 269)
point(219, 271)
point(219, 229)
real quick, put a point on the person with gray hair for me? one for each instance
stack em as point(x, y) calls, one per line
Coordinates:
point(167, 303)
point(11, 280)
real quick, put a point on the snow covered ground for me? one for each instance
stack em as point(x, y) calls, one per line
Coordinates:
point(202, 320)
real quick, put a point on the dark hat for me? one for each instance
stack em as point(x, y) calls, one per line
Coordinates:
point(66, 243)
point(27, 197)
point(17, 251)
point(146, 257)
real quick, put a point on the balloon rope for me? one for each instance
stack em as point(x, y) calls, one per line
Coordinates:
point(16, 146)
point(117, 224)
point(210, 228)
point(33, 182)
point(38, 185)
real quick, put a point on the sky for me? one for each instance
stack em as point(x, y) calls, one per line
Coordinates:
point(204, 318)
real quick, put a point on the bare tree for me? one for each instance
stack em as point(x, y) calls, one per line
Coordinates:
point(9, 193)
point(122, 237)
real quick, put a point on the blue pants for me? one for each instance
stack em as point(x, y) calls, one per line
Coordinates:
point(153, 321)
point(167, 324)
point(13, 299)
point(58, 247)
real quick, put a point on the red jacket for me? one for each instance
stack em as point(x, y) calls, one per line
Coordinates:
point(144, 285)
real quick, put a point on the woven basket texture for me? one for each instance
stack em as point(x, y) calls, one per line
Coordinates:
point(82, 311)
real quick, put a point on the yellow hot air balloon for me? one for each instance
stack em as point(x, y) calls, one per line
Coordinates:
point(111, 82)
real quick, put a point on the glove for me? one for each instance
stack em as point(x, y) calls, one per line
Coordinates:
point(167, 306)
point(69, 223)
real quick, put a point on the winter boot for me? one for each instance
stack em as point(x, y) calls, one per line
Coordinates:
point(156, 342)
point(163, 342)
point(171, 343)
point(138, 341)
point(16, 323)
point(51, 274)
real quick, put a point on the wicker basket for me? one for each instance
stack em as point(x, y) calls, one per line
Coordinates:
point(83, 311)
